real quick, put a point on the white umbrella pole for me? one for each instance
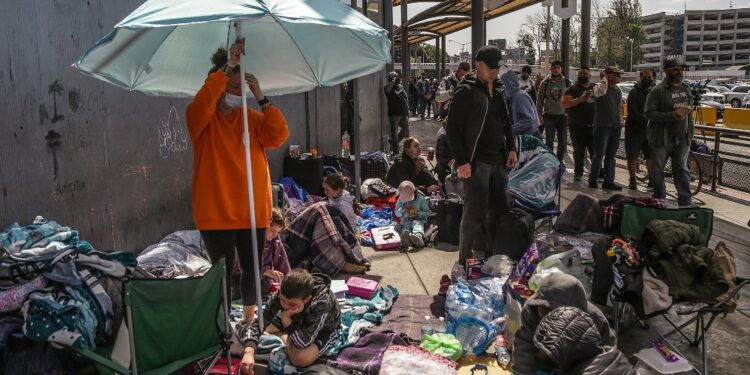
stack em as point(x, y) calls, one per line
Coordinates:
point(250, 193)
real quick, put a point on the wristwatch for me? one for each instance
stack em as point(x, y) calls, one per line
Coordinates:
point(264, 103)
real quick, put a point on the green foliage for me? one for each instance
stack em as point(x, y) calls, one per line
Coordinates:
point(614, 32)
point(525, 41)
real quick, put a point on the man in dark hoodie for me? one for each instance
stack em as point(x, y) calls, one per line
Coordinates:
point(306, 310)
point(571, 344)
point(398, 110)
point(481, 139)
point(524, 118)
point(556, 290)
point(635, 130)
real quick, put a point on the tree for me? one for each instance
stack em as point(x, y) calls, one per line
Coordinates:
point(525, 42)
point(616, 30)
point(56, 89)
point(430, 52)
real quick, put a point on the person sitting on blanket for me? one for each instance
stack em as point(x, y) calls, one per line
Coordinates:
point(556, 290)
point(413, 210)
point(306, 310)
point(333, 186)
point(275, 261)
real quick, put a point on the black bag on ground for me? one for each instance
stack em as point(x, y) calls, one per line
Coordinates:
point(514, 233)
point(449, 212)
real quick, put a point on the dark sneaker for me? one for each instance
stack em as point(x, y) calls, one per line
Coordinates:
point(593, 184)
point(614, 187)
point(578, 177)
point(405, 239)
point(633, 185)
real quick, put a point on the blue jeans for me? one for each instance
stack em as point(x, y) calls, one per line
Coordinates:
point(556, 124)
point(421, 105)
point(413, 226)
point(606, 141)
point(676, 149)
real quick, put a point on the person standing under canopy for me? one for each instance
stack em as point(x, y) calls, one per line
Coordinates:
point(220, 191)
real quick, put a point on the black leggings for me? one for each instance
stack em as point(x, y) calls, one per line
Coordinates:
point(222, 243)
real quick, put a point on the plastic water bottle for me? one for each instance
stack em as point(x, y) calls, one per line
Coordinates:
point(345, 145)
point(427, 328)
point(441, 327)
point(503, 357)
point(457, 272)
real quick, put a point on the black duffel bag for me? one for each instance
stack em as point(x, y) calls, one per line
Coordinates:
point(449, 212)
point(513, 234)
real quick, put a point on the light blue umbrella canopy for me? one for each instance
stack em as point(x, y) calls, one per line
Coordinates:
point(164, 47)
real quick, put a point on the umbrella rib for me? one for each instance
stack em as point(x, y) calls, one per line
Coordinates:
point(317, 79)
point(138, 77)
point(118, 51)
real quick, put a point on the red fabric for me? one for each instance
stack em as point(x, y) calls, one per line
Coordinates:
point(220, 368)
point(379, 202)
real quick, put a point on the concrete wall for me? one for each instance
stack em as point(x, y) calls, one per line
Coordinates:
point(115, 165)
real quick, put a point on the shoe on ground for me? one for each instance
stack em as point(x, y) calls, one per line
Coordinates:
point(615, 187)
point(593, 184)
point(632, 185)
point(416, 240)
point(578, 177)
point(405, 239)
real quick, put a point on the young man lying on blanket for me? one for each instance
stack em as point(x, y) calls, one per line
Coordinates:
point(306, 310)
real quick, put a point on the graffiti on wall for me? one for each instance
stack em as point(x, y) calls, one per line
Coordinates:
point(56, 89)
point(173, 136)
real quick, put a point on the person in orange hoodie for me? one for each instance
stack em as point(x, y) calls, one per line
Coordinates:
point(220, 198)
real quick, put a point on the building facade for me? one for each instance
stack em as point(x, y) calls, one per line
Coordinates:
point(703, 39)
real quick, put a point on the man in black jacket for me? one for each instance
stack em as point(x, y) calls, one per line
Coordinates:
point(635, 131)
point(481, 139)
point(398, 110)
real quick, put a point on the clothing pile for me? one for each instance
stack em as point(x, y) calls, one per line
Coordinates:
point(587, 214)
point(67, 292)
point(179, 255)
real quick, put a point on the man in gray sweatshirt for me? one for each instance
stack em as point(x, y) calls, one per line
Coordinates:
point(551, 111)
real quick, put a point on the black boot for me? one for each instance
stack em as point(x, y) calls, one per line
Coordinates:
point(633, 185)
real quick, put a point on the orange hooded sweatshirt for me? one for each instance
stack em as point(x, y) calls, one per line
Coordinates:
point(220, 198)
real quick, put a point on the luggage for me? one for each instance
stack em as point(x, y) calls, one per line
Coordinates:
point(308, 173)
point(381, 189)
point(385, 238)
point(513, 234)
point(362, 288)
point(449, 212)
point(277, 196)
point(454, 185)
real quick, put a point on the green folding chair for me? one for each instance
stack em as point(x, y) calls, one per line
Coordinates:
point(171, 324)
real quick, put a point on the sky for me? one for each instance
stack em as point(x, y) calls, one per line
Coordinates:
point(507, 26)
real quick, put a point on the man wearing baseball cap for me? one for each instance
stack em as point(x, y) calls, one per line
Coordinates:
point(607, 128)
point(481, 138)
point(551, 111)
point(670, 130)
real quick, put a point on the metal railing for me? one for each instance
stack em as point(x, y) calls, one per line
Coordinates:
point(728, 164)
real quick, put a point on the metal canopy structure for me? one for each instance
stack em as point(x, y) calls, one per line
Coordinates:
point(450, 16)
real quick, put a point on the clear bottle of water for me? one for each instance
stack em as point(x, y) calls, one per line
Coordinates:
point(345, 139)
point(427, 328)
point(457, 272)
point(441, 327)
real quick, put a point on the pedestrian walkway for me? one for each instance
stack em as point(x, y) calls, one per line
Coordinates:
point(419, 272)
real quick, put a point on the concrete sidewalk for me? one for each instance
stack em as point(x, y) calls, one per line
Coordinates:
point(419, 272)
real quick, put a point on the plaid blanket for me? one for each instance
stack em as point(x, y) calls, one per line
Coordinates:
point(612, 208)
point(320, 239)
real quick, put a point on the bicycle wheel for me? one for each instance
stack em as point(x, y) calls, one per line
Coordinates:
point(696, 176)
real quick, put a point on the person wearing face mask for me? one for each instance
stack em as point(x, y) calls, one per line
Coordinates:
point(670, 131)
point(635, 129)
point(607, 128)
point(220, 200)
point(579, 103)
point(551, 111)
point(481, 139)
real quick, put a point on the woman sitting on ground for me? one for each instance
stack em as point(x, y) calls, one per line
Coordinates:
point(275, 262)
point(411, 166)
point(334, 185)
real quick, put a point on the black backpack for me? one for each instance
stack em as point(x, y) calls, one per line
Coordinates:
point(513, 233)
point(449, 212)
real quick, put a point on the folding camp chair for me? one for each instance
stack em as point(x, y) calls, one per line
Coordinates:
point(170, 324)
point(635, 219)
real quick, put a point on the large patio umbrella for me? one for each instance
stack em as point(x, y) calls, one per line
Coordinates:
point(163, 48)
